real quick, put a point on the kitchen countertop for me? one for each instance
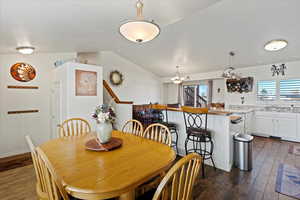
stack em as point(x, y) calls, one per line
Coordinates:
point(210, 112)
point(260, 108)
point(240, 111)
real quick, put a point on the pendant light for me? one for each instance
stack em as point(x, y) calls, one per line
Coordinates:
point(139, 30)
point(229, 72)
point(177, 79)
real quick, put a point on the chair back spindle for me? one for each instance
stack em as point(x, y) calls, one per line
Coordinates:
point(54, 187)
point(74, 127)
point(41, 186)
point(179, 181)
point(159, 133)
point(134, 127)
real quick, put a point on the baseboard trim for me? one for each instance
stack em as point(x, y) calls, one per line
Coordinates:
point(15, 161)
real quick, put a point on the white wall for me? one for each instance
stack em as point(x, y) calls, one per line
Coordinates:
point(13, 128)
point(78, 106)
point(170, 94)
point(218, 91)
point(262, 72)
point(139, 86)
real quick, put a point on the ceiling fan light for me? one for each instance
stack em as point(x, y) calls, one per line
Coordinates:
point(25, 50)
point(275, 45)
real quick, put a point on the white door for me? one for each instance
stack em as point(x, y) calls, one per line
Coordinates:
point(56, 111)
point(264, 125)
point(286, 128)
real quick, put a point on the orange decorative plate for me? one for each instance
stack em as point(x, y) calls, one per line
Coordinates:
point(94, 145)
point(22, 72)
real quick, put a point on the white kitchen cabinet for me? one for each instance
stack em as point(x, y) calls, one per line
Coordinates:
point(283, 125)
point(264, 125)
point(249, 122)
point(286, 128)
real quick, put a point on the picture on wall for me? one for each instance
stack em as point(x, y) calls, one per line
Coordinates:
point(85, 83)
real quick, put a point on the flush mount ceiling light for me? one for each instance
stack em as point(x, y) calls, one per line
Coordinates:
point(139, 30)
point(25, 50)
point(275, 45)
point(177, 79)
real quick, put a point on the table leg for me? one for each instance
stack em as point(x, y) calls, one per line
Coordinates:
point(128, 196)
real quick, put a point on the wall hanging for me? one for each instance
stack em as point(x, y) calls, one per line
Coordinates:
point(276, 70)
point(85, 83)
point(116, 78)
point(22, 72)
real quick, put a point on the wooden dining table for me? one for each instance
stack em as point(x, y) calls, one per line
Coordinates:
point(100, 175)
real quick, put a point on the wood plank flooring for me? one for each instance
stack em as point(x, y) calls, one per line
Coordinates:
point(259, 184)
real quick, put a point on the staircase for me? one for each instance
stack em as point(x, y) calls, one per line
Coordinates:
point(189, 98)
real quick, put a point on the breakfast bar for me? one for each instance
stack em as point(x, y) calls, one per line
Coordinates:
point(218, 122)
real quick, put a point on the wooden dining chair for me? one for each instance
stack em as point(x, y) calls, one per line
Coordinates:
point(74, 127)
point(54, 188)
point(40, 185)
point(159, 133)
point(179, 181)
point(134, 127)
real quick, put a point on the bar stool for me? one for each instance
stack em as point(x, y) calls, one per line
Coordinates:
point(163, 119)
point(196, 128)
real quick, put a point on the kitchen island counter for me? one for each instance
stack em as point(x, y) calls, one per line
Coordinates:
point(219, 124)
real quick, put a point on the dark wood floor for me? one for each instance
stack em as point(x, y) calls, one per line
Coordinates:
point(259, 184)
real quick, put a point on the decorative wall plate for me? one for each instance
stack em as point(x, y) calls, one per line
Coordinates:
point(116, 78)
point(22, 72)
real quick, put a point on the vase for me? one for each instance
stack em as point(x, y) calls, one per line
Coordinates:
point(104, 132)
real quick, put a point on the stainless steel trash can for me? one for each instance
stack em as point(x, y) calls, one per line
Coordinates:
point(243, 151)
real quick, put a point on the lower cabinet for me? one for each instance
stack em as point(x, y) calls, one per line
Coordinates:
point(264, 125)
point(283, 125)
point(286, 128)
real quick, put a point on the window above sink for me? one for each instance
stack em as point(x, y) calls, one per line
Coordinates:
point(278, 90)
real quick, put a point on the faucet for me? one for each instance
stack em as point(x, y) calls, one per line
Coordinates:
point(292, 107)
point(242, 100)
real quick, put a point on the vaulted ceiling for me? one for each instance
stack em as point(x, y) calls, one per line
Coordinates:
point(196, 34)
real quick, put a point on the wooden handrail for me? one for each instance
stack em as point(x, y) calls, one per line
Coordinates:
point(113, 95)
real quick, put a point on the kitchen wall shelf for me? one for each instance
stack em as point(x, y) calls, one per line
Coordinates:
point(22, 87)
point(22, 112)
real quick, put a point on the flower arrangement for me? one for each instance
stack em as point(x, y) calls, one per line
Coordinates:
point(104, 113)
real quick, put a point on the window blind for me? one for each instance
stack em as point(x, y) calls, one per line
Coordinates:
point(290, 90)
point(266, 90)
